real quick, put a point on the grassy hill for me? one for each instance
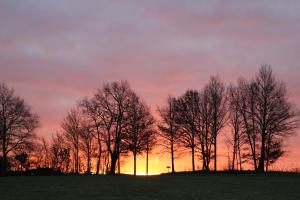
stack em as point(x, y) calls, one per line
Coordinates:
point(179, 186)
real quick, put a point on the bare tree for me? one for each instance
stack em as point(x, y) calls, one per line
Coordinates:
point(71, 126)
point(17, 123)
point(41, 153)
point(151, 141)
point(93, 110)
point(60, 153)
point(267, 117)
point(276, 116)
point(217, 99)
point(86, 140)
point(23, 159)
point(140, 125)
point(246, 107)
point(169, 130)
point(187, 109)
point(235, 122)
point(114, 99)
point(45, 152)
point(204, 122)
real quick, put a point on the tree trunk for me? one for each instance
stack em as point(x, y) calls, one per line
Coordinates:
point(234, 149)
point(147, 160)
point(4, 153)
point(99, 155)
point(134, 163)
point(261, 164)
point(88, 163)
point(4, 162)
point(119, 165)
point(193, 158)
point(215, 150)
point(172, 156)
point(113, 164)
point(240, 158)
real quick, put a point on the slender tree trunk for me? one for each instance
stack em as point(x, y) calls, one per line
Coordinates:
point(88, 162)
point(119, 165)
point(4, 153)
point(172, 156)
point(74, 161)
point(203, 157)
point(99, 154)
point(193, 158)
point(234, 155)
point(215, 150)
point(4, 162)
point(235, 146)
point(240, 158)
point(147, 159)
point(134, 163)
point(77, 160)
point(254, 137)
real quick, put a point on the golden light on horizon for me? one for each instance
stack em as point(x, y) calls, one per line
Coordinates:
point(156, 165)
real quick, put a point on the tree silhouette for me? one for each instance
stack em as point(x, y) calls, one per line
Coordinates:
point(60, 153)
point(140, 128)
point(91, 108)
point(169, 129)
point(86, 141)
point(205, 137)
point(17, 123)
point(218, 102)
point(187, 109)
point(114, 100)
point(235, 122)
point(72, 130)
point(23, 159)
point(276, 117)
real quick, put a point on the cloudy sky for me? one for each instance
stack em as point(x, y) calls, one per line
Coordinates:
point(57, 51)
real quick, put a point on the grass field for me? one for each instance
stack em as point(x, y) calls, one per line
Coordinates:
point(181, 186)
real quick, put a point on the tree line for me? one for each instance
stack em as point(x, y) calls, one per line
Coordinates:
point(103, 130)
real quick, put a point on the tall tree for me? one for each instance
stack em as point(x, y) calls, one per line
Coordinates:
point(247, 107)
point(151, 140)
point(72, 129)
point(60, 153)
point(17, 123)
point(204, 123)
point(276, 116)
point(86, 135)
point(114, 99)
point(169, 129)
point(140, 125)
point(93, 110)
point(235, 122)
point(40, 153)
point(187, 109)
point(217, 99)
point(267, 117)
point(23, 159)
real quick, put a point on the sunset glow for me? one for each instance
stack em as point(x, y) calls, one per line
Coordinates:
point(54, 53)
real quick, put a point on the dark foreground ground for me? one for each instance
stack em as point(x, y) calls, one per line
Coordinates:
point(180, 186)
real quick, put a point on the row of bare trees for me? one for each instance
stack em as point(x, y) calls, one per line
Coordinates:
point(261, 117)
point(101, 131)
point(257, 111)
point(194, 121)
point(111, 124)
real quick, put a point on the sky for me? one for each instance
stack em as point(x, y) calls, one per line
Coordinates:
point(54, 52)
